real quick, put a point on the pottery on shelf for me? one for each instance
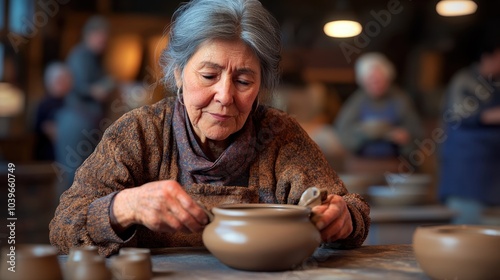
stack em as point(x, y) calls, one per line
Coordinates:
point(458, 251)
point(359, 182)
point(34, 262)
point(389, 196)
point(261, 237)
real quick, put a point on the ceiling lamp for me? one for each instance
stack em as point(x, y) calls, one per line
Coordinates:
point(343, 23)
point(342, 28)
point(11, 100)
point(453, 8)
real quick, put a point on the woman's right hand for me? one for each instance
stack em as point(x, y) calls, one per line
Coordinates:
point(161, 206)
point(399, 135)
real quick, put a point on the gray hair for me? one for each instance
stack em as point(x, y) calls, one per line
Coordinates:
point(53, 70)
point(368, 61)
point(201, 20)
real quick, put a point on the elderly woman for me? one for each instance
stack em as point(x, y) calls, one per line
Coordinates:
point(211, 144)
point(377, 121)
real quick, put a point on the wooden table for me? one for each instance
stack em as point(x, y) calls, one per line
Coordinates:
point(367, 262)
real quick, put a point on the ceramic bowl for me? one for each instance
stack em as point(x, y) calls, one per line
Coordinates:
point(415, 181)
point(34, 262)
point(376, 128)
point(261, 237)
point(388, 196)
point(458, 251)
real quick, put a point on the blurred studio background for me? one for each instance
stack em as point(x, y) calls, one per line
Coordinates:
point(375, 100)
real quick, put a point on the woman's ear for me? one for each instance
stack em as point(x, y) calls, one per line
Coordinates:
point(178, 77)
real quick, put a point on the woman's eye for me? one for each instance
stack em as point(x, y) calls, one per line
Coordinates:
point(208, 77)
point(244, 82)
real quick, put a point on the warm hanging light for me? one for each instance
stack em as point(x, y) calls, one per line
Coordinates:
point(453, 8)
point(11, 100)
point(342, 28)
point(343, 23)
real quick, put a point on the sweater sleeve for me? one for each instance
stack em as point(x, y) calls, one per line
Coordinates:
point(300, 164)
point(118, 162)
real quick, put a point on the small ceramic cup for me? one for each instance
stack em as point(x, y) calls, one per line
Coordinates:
point(36, 262)
point(131, 266)
point(138, 251)
point(78, 255)
point(93, 268)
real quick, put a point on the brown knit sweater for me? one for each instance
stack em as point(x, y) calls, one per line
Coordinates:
point(140, 148)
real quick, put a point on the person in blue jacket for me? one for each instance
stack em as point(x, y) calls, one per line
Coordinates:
point(80, 121)
point(470, 155)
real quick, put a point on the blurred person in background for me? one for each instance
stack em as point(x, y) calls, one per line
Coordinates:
point(378, 121)
point(470, 155)
point(58, 83)
point(315, 107)
point(79, 122)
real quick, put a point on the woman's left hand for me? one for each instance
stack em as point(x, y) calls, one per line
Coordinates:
point(335, 220)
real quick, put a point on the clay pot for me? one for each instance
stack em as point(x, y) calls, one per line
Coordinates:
point(93, 268)
point(138, 251)
point(261, 237)
point(131, 266)
point(458, 251)
point(34, 262)
point(77, 255)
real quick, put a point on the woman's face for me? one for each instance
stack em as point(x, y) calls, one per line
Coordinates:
point(220, 83)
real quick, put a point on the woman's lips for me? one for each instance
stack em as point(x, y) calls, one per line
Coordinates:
point(220, 117)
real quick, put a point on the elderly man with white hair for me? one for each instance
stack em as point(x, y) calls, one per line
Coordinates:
point(58, 81)
point(378, 120)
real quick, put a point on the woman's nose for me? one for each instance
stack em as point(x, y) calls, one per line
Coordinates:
point(224, 92)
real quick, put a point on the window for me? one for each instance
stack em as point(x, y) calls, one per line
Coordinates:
point(21, 20)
